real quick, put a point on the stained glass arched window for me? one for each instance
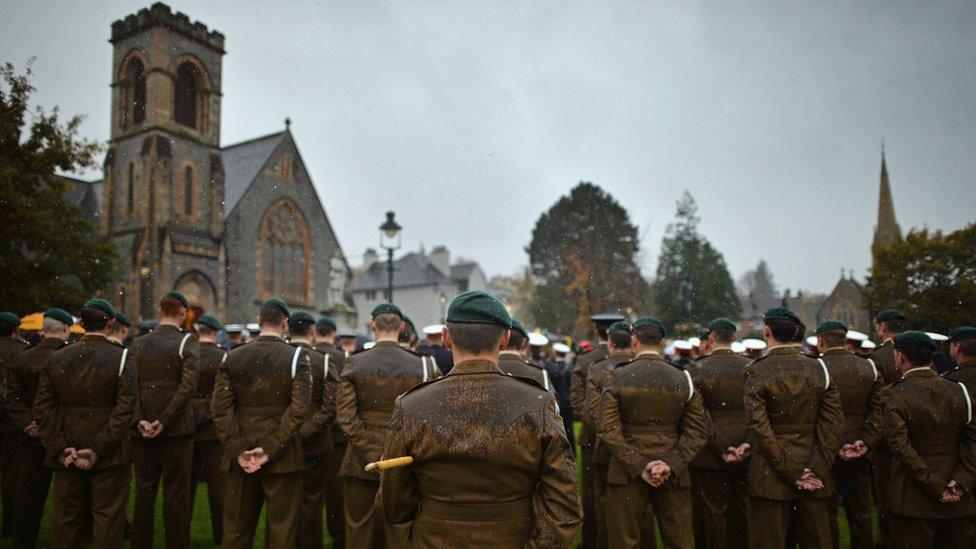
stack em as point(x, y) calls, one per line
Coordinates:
point(186, 95)
point(284, 253)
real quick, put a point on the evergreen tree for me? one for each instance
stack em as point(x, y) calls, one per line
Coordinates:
point(49, 254)
point(693, 284)
point(583, 258)
point(757, 291)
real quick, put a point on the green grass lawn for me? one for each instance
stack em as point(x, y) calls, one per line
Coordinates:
point(200, 528)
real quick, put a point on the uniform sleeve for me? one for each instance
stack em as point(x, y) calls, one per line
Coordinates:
point(612, 432)
point(398, 486)
point(900, 444)
point(695, 427)
point(225, 414)
point(592, 400)
point(18, 407)
point(577, 395)
point(874, 422)
point(761, 433)
point(188, 383)
point(119, 420)
point(830, 423)
point(347, 415)
point(965, 471)
point(321, 413)
point(291, 420)
point(556, 502)
point(49, 416)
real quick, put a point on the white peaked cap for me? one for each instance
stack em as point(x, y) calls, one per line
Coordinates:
point(855, 335)
point(754, 344)
point(433, 329)
point(695, 341)
point(682, 345)
point(868, 344)
point(538, 340)
point(812, 341)
point(738, 347)
point(369, 345)
point(560, 348)
point(937, 337)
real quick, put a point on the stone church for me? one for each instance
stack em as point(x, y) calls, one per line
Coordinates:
point(227, 226)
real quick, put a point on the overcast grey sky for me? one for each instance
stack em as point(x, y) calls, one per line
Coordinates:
point(469, 119)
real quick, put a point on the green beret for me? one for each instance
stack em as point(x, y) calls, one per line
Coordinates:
point(302, 316)
point(720, 323)
point(960, 334)
point(122, 319)
point(831, 326)
point(326, 322)
point(60, 315)
point(704, 333)
point(619, 326)
point(517, 327)
point(386, 308)
point(782, 313)
point(914, 340)
point(101, 305)
point(173, 294)
point(889, 315)
point(9, 319)
point(477, 307)
point(409, 322)
point(277, 303)
point(210, 322)
point(650, 321)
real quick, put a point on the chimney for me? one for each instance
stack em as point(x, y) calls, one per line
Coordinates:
point(441, 259)
point(369, 258)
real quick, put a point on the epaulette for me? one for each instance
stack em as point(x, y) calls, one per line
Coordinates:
point(956, 369)
point(115, 343)
point(626, 362)
point(528, 380)
point(419, 385)
point(759, 359)
point(810, 355)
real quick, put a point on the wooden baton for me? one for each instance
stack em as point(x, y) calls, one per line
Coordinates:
point(389, 464)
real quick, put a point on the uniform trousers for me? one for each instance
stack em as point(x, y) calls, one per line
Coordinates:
point(600, 503)
point(881, 476)
point(916, 533)
point(628, 507)
point(106, 491)
point(207, 458)
point(35, 480)
point(852, 480)
point(721, 495)
point(313, 499)
point(246, 492)
point(335, 517)
point(769, 522)
point(589, 508)
point(9, 473)
point(365, 524)
point(169, 460)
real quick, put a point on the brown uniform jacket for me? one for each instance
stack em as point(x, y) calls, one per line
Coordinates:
point(595, 376)
point(492, 465)
point(965, 373)
point(650, 410)
point(337, 361)
point(9, 349)
point(577, 393)
point(211, 357)
point(260, 399)
point(511, 362)
point(884, 360)
point(316, 429)
point(86, 399)
point(25, 372)
point(368, 388)
point(167, 359)
point(928, 423)
point(795, 422)
point(861, 389)
point(720, 379)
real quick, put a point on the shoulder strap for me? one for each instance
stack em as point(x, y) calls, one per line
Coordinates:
point(691, 385)
point(969, 403)
point(125, 353)
point(223, 360)
point(545, 379)
point(294, 361)
point(183, 343)
point(873, 367)
point(826, 374)
point(325, 367)
point(423, 368)
point(433, 361)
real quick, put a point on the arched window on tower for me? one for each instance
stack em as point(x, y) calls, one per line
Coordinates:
point(284, 253)
point(187, 191)
point(186, 95)
point(133, 93)
point(130, 190)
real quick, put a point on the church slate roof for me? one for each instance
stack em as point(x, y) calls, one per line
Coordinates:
point(242, 163)
point(410, 270)
point(85, 195)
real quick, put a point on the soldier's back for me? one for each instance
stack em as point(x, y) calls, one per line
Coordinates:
point(856, 379)
point(159, 357)
point(516, 365)
point(720, 380)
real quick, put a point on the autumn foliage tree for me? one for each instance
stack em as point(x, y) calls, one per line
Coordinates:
point(583, 257)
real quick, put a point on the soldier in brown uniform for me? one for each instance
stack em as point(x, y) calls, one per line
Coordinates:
point(653, 422)
point(207, 450)
point(35, 476)
point(861, 390)
point(260, 399)
point(335, 518)
point(512, 359)
point(720, 471)
point(315, 431)
point(962, 349)
point(492, 465)
point(931, 435)
point(120, 329)
point(368, 387)
point(795, 422)
point(84, 407)
point(10, 346)
point(162, 442)
point(618, 338)
point(888, 324)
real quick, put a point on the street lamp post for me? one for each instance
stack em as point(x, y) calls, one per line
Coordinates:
point(390, 241)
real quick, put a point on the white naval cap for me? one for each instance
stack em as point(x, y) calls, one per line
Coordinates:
point(433, 329)
point(369, 345)
point(695, 341)
point(234, 328)
point(738, 347)
point(855, 335)
point(753, 344)
point(538, 340)
point(937, 337)
point(682, 345)
point(868, 344)
point(812, 341)
point(561, 348)
point(253, 327)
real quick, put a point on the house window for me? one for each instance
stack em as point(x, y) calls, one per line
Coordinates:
point(285, 253)
point(133, 104)
point(371, 295)
point(187, 191)
point(186, 95)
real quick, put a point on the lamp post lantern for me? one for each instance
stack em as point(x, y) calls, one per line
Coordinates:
point(390, 241)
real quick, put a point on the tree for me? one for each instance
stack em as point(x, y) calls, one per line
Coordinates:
point(49, 254)
point(693, 284)
point(583, 258)
point(929, 276)
point(757, 291)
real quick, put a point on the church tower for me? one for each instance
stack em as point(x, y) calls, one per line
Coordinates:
point(163, 191)
point(887, 231)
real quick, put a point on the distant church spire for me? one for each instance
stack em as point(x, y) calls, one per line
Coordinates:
point(887, 231)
